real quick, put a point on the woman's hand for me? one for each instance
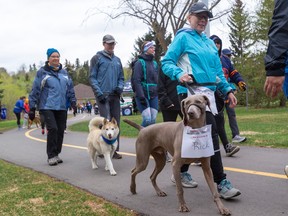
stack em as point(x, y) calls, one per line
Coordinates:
point(232, 100)
point(186, 78)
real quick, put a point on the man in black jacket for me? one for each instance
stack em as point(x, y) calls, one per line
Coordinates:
point(276, 59)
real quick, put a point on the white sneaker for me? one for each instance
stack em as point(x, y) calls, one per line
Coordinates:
point(238, 139)
point(286, 170)
point(186, 180)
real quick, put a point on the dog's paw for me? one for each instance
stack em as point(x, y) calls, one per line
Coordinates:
point(183, 208)
point(225, 211)
point(113, 173)
point(94, 166)
point(161, 193)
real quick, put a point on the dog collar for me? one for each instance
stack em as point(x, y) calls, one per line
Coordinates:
point(109, 142)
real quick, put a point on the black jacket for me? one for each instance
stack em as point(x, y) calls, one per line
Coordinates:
point(276, 56)
point(137, 79)
point(167, 93)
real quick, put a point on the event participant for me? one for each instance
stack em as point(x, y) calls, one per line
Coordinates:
point(107, 82)
point(144, 83)
point(192, 53)
point(18, 109)
point(276, 59)
point(50, 91)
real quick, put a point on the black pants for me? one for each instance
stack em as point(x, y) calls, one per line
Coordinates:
point(18, 116)
point(171, 115)
point(216, 160)
point(55, 123)
point(220, 121)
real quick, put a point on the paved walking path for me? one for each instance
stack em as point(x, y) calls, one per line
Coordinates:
point(257, 172)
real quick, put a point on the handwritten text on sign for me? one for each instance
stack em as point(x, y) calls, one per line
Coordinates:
point(197, 143)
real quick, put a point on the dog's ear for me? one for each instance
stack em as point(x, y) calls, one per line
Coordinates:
point(184, 112)
point(114, 121)
point(207, 101)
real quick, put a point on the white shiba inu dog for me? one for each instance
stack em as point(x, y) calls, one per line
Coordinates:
point(102, 140)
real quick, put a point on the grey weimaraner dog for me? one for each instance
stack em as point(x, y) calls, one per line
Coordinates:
point(167, 136)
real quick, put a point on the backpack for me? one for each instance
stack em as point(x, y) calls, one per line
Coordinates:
point(143, 63)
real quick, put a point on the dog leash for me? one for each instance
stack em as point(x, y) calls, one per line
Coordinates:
point(192, 83)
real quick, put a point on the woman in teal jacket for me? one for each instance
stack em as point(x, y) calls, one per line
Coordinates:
point(193, 53)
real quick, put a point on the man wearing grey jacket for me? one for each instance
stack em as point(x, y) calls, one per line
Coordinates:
point(107, 81)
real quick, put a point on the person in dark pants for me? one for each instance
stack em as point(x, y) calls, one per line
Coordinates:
point(193, 57)
point(276, 59)
point(50, 92)
point(107, 82)
point(168, 100)
point(18, 109)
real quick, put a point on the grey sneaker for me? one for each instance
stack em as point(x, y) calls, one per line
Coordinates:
point(59, 160)
point(238, 139)
point(52, 161)
point(286, 170)
point(226, 190)
point(186, 180)
point(231, 149)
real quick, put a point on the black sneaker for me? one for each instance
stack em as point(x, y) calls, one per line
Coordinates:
point(117, 156)
point(231, 150)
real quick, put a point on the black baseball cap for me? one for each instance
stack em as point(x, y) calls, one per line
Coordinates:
point(199, 7)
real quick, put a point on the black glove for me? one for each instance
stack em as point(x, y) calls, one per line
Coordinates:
point(32, 113)
point(118, 91)
point(74, 107)
point(143, 102)
point(102, 99)
point(122, 100)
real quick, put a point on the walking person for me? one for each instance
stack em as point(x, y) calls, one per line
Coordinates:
point(18, 109)
point(107, 82)
point(276, 59)
point(144, 83)
point(233, 77)
point(26, 116)
point(50, 91)
point(236, 138)
point(192, 53)
point(168, 100)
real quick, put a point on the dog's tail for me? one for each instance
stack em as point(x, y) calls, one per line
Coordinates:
point(133, 124)
point(96, 123)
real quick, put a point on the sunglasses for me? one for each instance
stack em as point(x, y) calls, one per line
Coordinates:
point(200, 17)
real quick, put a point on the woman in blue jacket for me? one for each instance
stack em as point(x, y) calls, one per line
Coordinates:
point(193, 53)
point(18, 109)
point(51, 89)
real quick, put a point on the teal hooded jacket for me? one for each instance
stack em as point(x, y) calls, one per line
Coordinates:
point(195, 54)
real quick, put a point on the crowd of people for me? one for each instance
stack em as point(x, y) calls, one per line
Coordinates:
point(191, 57)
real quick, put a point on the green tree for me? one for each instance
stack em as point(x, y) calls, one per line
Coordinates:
point(83, 74)
point(240, 37)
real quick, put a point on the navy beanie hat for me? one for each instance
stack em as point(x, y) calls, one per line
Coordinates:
point(50, 51)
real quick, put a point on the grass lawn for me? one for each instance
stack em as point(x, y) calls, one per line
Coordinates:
point(262, 127)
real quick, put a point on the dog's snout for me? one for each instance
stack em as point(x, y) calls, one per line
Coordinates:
point(194, 112)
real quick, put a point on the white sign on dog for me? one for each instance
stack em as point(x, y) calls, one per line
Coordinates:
point(197, 143)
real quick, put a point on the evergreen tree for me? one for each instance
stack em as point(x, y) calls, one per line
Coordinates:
point(83, 74)
point(263, 22)
point(240, 35)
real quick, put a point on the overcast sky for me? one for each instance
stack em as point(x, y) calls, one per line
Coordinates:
point(29, 27)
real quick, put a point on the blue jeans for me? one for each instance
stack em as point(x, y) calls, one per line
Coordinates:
point(149, 113)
